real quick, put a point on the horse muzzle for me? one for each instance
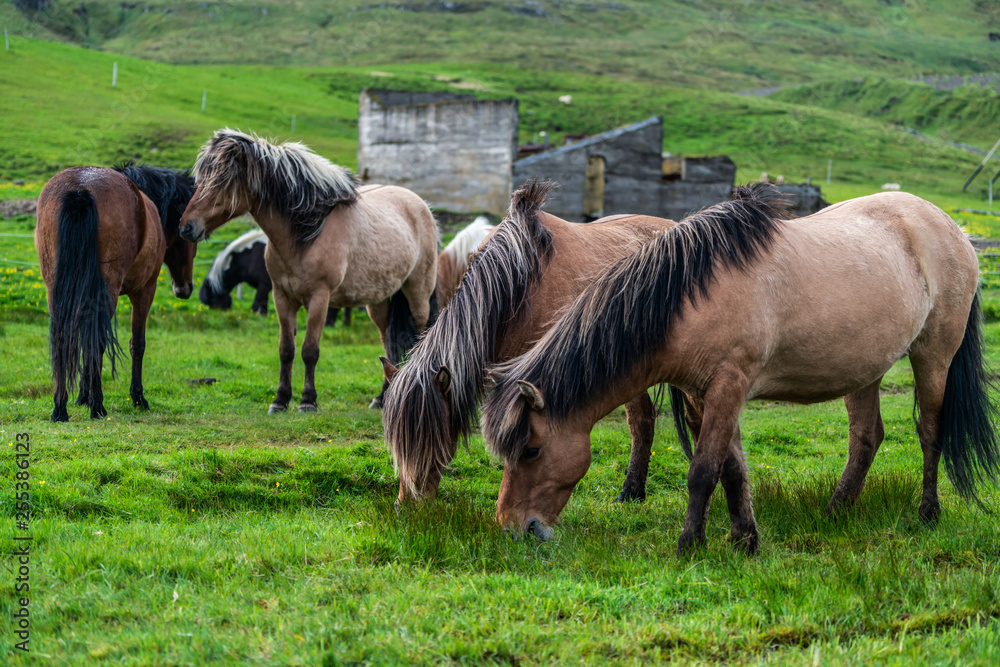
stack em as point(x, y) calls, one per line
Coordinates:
point(184, 291)
point(192, 231)
point(539, 530)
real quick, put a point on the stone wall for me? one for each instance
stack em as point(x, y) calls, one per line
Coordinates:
point(453, 150)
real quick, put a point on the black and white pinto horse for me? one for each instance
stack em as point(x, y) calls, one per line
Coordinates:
point(242, 261)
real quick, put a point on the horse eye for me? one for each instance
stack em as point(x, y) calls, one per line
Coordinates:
point(530, 453)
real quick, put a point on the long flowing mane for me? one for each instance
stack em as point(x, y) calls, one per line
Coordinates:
point(222, 261)
point(288, 178)
point(620, 319)
point(170, 190)
point(467, 240)
point(493, 296)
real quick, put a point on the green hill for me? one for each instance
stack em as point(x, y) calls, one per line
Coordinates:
point(720, 44)
point(61, 110)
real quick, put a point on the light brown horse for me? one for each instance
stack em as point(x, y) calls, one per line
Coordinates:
point(531, 266)
point(331, 244)
point(99, 236)
point(736, 304)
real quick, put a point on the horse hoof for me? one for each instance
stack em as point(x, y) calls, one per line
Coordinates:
point(631, 496)
point(276, 409)
point(376, 403)
point(306, 407)
point(142, 403)
point(99, 413)
point(64, 417)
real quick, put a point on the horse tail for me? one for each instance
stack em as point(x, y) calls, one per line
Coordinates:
point(968, 438)
point(401, 328)
point(678, 410)
point(82, 325)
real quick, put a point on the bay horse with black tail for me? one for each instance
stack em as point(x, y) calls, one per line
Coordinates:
point(242, 261)
point(533, 265)
point(736, 304)
point(330, 244)
point(102, 233)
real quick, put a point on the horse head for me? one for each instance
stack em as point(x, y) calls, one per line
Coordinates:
point(542, 463)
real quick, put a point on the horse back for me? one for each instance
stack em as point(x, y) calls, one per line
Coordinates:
point(122, 215)
point(388, 227)
point(583, 251)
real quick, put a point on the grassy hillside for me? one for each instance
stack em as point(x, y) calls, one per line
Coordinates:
point(719, 44)
point(968, 114)
point(58, 109)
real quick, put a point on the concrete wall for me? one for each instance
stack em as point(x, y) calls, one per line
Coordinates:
point(453, 150)
point(632, 170)
point(704, 181)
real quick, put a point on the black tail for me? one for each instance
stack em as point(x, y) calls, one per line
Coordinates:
point(968, 438)
point(677, 409)
point(401, 331)
point(82, 326)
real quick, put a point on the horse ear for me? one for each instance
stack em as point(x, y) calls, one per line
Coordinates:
point(533, 395)
point(443, 381)
point(387, 368)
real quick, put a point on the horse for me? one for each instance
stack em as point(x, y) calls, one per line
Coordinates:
point(738, 304)
point(454, 259)
point(330, 243)
point(102, 233)
point(242, 261)
point(533, 265)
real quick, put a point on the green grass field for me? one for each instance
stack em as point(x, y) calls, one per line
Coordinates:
point(206, 532)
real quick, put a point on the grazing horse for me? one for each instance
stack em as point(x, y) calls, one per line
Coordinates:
point(330, 244)
point(736, 304)
point(454, 259)
point(533, 265)
point(242, 261)
point(102, 233)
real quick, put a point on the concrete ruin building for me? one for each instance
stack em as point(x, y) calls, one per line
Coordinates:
point(625, 171)
point(453, 150)
point(459, 153)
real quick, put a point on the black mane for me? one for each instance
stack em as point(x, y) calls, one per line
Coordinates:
point(624, 316)
point(170, 190)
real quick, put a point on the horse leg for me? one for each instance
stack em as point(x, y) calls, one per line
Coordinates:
point(60, 396)
point(141, 303)
point(84, 396)
point(286, 310)
point(331, 316)
point(723, 402)
point(736, 483)
point(641, 420)
point(347, 316)
point(379, 314)
point(865, 434)
point(316, 311)
point(259, 304)
point(929, 378)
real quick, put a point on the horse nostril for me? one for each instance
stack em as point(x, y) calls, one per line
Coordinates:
point(540, 530)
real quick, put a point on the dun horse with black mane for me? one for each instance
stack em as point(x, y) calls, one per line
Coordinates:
point(330, 244)
point(531, 266)
point(736, 304)
point(102, 233)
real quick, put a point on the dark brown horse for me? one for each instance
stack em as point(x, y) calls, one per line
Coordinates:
point(99, 235)
point(533, 265)
point(331, 244)
point(736, 304)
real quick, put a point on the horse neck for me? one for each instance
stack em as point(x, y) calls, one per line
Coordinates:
point(278, 232)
